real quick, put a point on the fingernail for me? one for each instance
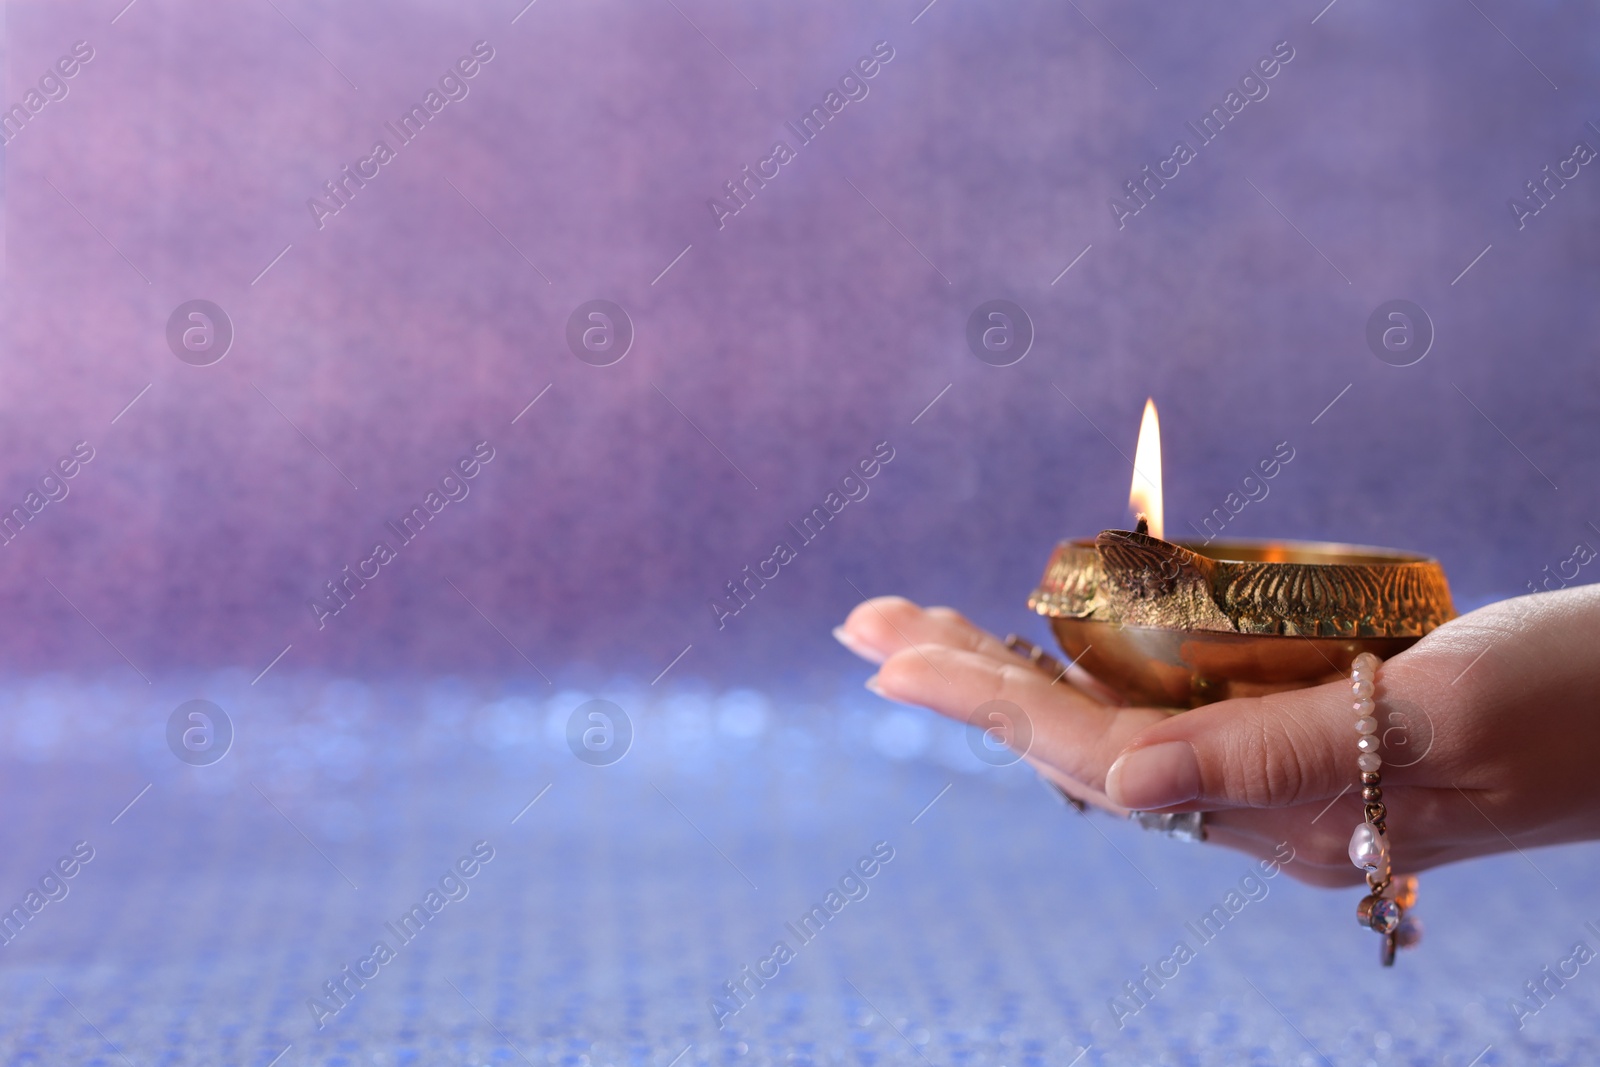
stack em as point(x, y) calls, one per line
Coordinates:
point(1155, 777)
point(849, 640)
point(873, 686)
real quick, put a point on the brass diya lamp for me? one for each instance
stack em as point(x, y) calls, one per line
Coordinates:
point(1179, 624)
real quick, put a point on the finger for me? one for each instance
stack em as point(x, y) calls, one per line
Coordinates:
point(1309, 843)
point(882, 626)
point(878, 628)
point(1290, 839)
point(1265, 752)
point(1081, 679)
point(1315, 837)
point(1289, 748)
point(1319, 834)
point(1075, 789)
point(1069, 731)
point(1280, 846)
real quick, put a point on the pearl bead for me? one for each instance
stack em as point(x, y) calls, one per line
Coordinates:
point(1369, 850)
point(1362, 688)
point(1367, 743)
point(1366, 663)
point(1366, 725)
point(1364, 707)
point(1369, 761)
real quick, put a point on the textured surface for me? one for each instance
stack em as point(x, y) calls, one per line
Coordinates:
point(615, 907)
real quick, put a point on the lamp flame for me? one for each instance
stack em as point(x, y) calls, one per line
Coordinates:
point(1144, 498)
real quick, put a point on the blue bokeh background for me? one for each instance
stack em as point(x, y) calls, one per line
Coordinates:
point(221, 898)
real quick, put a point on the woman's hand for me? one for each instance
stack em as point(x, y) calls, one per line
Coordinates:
point(1491, 728)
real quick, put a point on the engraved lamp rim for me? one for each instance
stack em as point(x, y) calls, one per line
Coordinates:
point(1180, 624)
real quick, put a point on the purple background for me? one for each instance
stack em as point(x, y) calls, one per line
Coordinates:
point(794, 338)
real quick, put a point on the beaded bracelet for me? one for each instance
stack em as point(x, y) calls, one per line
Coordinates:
point(1389, 899)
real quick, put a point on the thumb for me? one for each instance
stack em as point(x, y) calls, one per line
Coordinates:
point(1259, 752)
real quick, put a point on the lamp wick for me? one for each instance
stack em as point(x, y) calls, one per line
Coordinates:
point(1143, 525)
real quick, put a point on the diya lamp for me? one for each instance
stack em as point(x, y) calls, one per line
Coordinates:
point(1180, 624)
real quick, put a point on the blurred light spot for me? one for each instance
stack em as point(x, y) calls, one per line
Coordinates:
point(687, 720)
point(902, 734)
point(558, 710)
point(742, 713)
